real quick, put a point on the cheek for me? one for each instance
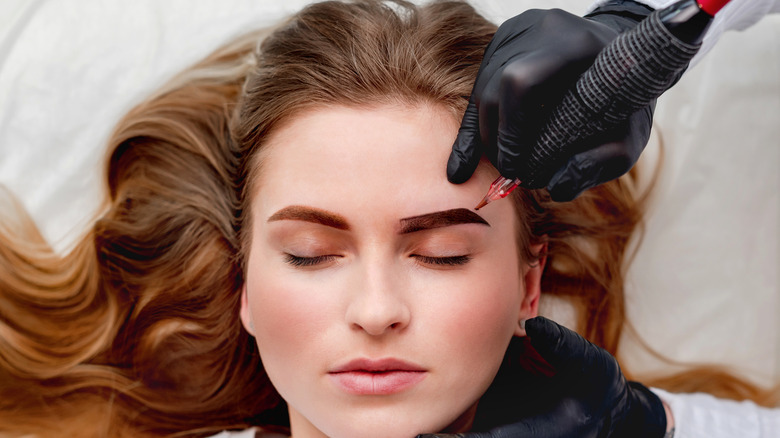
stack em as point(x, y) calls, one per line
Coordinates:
point(482, 314)
point(477, 314)
point(290, 317)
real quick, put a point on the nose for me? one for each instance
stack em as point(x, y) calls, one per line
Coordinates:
point(378, 304)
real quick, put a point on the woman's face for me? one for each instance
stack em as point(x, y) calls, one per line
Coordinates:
point(381, 302)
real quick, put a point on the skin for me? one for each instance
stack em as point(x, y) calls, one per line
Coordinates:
point(340, 184)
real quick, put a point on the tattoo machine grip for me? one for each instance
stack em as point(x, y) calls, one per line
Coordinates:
point(635, 68)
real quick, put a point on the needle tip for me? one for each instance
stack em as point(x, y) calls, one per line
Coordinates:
point(481, 204)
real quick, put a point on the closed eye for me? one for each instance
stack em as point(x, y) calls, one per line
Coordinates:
point(307, 261)
point(428, 260)
point(443, 261)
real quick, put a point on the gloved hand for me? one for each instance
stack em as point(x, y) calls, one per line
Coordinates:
point(533, 59)
point(596, 401)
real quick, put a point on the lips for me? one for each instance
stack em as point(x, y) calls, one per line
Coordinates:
point(376, 377)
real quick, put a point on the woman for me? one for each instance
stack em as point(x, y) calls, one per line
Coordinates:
point(275, 198)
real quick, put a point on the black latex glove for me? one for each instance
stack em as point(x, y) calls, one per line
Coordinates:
point(533, 59)
point(596, 400)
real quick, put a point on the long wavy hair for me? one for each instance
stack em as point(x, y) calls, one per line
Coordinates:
point(135, 332)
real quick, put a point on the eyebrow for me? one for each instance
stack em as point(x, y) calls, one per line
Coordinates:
point(412, 224)
point(440, 219)
point(310, 214)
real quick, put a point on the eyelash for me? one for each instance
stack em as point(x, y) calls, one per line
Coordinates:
point(307, 261)
point(436, 261)
point(443, 261)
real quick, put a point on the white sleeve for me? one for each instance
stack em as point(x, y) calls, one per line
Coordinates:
point(736, 15)
point(704, 416)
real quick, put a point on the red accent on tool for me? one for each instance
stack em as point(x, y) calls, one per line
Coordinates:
point(712, 6)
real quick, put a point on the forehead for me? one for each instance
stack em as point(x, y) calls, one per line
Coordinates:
point(363, 139)
point(384, 160)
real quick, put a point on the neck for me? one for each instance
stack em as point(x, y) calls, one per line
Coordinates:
point(464, 422)
point(301, 427)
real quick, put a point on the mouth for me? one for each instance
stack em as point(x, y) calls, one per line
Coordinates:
point(376, 377)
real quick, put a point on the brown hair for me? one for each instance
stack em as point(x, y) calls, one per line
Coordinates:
point(136, 330)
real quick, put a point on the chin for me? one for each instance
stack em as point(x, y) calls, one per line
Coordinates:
point(387, 424)
point(380, 430)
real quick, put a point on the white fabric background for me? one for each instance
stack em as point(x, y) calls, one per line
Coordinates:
point(704, 284)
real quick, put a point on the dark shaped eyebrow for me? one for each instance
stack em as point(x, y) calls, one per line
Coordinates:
point(440, 219)
point(310, 214)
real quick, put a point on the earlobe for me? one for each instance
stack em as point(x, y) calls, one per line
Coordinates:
point(532, 280)
point(245, 314)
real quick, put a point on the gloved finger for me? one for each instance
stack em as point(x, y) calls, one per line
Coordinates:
point(589, 169)
point(558, 345)
point(471, 140)
point(488, 115)
point(570, 354)
point(602, 163)
point(466, 149)
point(469, 143)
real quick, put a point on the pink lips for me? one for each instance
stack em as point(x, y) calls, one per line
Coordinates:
point(376, 377)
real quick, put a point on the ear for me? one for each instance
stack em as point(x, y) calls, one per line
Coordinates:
point(245, 313)
point(532, 280)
